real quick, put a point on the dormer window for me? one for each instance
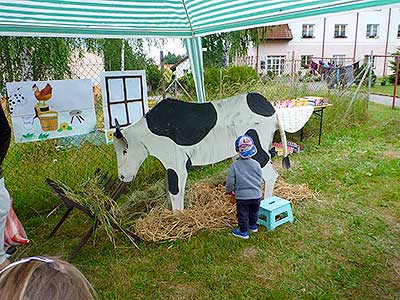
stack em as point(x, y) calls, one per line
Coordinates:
point(308, 31)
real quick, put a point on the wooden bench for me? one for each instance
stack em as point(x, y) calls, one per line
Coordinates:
point(114, 188)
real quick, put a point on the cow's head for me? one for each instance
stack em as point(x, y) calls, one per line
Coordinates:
point(131, 153)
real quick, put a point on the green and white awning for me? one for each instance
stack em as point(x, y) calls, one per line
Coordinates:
point(159, 18)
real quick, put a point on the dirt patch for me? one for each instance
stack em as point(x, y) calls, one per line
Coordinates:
point(392, 154)
point(184, 291)
point(249, 253)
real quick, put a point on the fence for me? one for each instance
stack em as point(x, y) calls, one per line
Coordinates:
point(72, 160)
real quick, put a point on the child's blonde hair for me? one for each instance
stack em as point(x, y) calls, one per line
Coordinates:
point(44, 280)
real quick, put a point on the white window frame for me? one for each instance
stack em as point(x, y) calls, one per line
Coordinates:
point(307, 31)
point(341, 31)
point(305, 60)
point(339, 59)
point(275, 64)
point(372, 31)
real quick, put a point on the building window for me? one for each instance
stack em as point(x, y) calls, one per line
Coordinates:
point(262, 65)
point(340, 31)
point(338, 59)
point(308, 31)
point(398, 32)
point(305, 60)
point(276, 64)
point(372, 31)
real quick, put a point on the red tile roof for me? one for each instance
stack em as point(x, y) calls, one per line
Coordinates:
point(277, 32)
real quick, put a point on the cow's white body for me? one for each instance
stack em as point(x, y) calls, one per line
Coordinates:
point(234, 118)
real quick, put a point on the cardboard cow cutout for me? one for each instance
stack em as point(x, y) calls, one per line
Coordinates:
point(182, 134)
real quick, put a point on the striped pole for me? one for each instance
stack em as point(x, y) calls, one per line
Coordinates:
point(194, 50)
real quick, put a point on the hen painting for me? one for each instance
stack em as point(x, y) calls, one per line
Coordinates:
point(43, 94)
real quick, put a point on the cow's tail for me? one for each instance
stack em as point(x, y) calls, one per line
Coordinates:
point(285, 160)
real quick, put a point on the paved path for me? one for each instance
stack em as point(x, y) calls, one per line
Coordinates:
point(386, 100)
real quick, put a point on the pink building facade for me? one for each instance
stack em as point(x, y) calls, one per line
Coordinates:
point(343, 38)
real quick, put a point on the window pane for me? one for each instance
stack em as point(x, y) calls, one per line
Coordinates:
point(133, 88)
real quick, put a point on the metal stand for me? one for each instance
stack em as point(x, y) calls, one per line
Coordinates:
point(114, 188)
point(319, 113)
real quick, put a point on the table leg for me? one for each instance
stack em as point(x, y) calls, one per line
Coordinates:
point(320, 126)
point(302, 133)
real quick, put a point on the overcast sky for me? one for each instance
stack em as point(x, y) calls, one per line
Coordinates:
point(170, 45)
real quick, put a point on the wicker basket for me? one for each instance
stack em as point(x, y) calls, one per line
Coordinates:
point(49, 120)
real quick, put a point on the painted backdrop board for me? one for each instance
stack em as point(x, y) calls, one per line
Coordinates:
point(124, 98)
point(43, 110)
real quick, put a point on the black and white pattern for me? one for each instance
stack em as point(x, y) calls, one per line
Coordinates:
point(183, 134)
point(16, 98)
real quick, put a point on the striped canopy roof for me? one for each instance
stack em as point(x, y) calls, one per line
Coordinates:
point(158, 18)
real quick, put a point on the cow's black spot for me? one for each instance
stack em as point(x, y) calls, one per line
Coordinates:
point(259, 105)
point(188, 164)
point(172, 178)
point(262, 157)
point(185, 123)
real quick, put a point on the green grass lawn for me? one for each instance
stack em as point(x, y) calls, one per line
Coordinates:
point(387, 89)
point(343, 245)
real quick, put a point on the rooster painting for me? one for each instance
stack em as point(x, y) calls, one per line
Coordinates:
point(42, 95)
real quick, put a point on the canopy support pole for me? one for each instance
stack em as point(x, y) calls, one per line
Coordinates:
point(194, 50)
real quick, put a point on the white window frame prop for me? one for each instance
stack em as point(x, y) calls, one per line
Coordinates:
point(123, 77)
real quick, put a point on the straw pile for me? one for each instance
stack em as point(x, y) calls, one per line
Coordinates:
point(91, 195)
point(208, 208)
point(294, 193)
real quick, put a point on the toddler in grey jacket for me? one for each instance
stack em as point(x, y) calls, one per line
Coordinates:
point(244, 180)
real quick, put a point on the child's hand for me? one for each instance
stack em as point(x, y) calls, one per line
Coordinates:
point(232, 199)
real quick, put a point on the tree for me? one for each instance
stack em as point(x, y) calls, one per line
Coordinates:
point(392, 64)
point(26, 58)
point(222, 46)
point(172, 58)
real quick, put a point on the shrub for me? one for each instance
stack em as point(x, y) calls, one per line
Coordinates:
point(216, 79)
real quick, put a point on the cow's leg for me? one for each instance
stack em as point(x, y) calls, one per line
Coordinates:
point(176, 183)
point(269, 175)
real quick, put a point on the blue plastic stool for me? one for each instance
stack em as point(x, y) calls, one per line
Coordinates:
point(272, 207)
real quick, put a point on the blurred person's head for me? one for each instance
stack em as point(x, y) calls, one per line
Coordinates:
point(40, 278)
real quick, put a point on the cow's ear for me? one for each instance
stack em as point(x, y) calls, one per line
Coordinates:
point(118, 134)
